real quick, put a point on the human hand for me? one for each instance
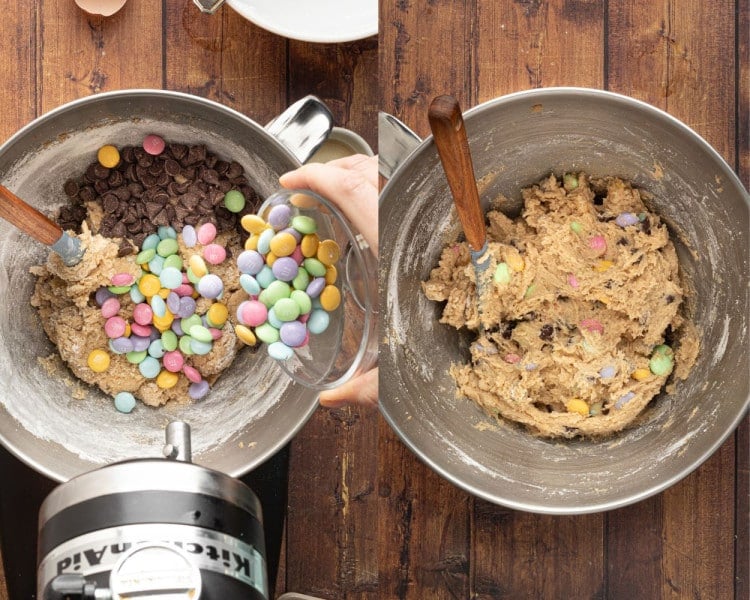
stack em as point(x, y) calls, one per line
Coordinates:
point(351, 184)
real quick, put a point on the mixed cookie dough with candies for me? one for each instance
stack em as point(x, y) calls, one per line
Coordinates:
point(583, 311)
point(168, 292)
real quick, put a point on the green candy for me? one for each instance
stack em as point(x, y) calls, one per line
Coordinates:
point(166, 247)
point(303, 301)
point(302, 280)
point(570, 181)
point(267, 333)
point(662, 361)
point(274, 292)
point(169, 340)
point(185, 345)
point(576, 227)
point(173, 260)
point(188, 323)
point(304, 224)
point(502, 273)
point(136, 357)
point(119, 289)
point(314, 267)
point(192, 277)
point(234, 201)
point(201, 333)
point(145, 256)
point(286, 309)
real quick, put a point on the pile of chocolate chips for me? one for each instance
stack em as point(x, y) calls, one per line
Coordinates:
point(184, 185)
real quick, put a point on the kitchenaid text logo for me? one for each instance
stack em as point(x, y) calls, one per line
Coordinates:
point(99, 551)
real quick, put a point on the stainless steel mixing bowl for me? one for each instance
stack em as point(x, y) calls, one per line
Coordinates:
point(515, 141)
point(253, 409)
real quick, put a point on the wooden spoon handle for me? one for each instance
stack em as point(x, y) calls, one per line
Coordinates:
point(28, 219)
point(449, 134)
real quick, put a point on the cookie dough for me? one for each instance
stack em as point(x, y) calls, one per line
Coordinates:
point(582, 312)
point(73, 322)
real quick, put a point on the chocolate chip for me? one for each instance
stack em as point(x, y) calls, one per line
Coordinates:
point(646, 226)
point(71, 188)
point(221, 167)
point(178, 151)
point(101, 186)
point(171, 167)
point(125, 248)
point(211, 160)
point(115, 179)
point(225, 185)
point(546, 332)
point(126, 154)
point(235, 170)
point(622, 241)
point(122, 193)
point(669, 298)
point(211, 177)
point(110, 203)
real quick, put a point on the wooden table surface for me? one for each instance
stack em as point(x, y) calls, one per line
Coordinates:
point(365, 518)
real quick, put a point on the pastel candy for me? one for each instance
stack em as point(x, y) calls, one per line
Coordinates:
point(278, 216)
point(189, 236)
point(285, 268)
point(280, 351)
point(250, 262)
point(293, 333)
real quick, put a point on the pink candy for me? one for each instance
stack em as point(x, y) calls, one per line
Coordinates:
point(153, 144)
point(142, 330)
point(297, 255)
point(191, 373)
point(115, 327)
point(173, 361)
point(592, 325)
point(183, 290)
point(214, 254)
point(206, 233)
point(573, 281)
point(215, 333)
point(598, 244)
point(512, 358)
point(252, 313)
point(110, 307)
point(142, 314)
point(121, 279)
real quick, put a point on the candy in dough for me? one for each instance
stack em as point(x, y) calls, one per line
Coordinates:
point(73, 321)
point(574, 305)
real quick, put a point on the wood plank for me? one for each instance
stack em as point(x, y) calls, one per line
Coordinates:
point(530, 44)
point(83, 54)
point(344, 76)
point(331, 536)
point(525, 555)
point(19, 69)
point(423, 527)
point(416, 41)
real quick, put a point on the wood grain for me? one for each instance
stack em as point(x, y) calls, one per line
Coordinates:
point(18, 71)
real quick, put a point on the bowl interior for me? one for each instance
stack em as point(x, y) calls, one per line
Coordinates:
point(62, 427)
point(515, 141)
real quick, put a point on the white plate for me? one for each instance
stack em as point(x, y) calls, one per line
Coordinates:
point(326, 21)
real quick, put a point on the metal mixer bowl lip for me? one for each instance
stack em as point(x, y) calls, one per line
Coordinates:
point(304, 412)
point(538, 95)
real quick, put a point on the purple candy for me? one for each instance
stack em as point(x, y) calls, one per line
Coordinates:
point(278, 216)
point(285, 268)
point(624, 399)
point(140, 343)
point(155, 334)
point(625, 219)
point(315, 287)
point(177, 328)
point(173, 302)
point(197, 390)
point(210, 286)
point(102, 294)
point(250, 262)
point(122, 345)
point(187, 307)
point(293, 333)
point(291, 230)
point(189, 236)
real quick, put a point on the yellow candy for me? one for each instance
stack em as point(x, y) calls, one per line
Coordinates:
point(309, 245)
point(603, 265)
point(128, 331)
point(163, 323)
point(271, 258)
point(579, 406)
point(164, 292)
point(251, 243)
point(218, 314)
point(604, 300)
point(330, 298)
point(253, 224)
point(149, 285)
point(641, 374)
point(283, 244)
point(328, 252)
point(98, 360)
point(198, 265)
point(245, 335)
point(108, 156)
point(302, 201)
point(166, 379)
point(331, 274)
point(515, 262)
